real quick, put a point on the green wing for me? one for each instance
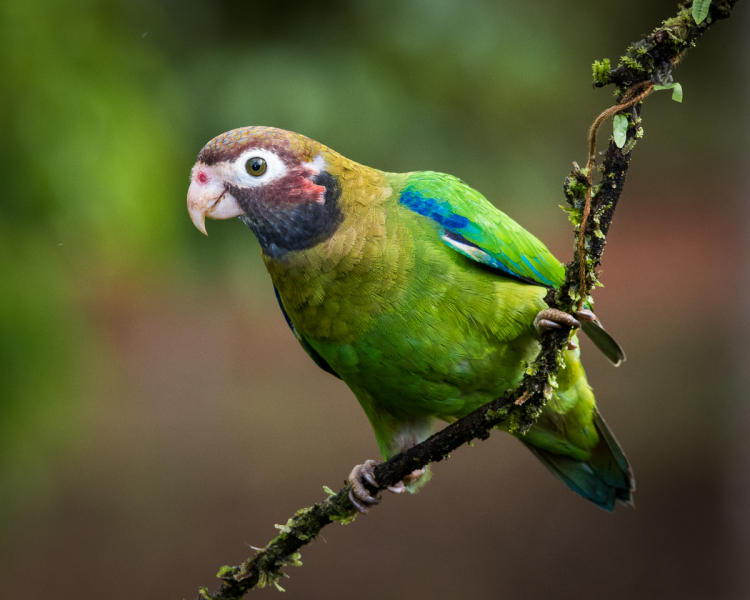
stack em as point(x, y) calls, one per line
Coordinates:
point(471, 225)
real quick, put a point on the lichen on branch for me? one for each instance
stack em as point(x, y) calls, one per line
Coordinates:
point(651, 59)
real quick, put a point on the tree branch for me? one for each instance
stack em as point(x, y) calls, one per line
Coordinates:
point(650, 59)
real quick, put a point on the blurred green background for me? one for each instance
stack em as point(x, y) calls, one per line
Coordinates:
point(157, 417)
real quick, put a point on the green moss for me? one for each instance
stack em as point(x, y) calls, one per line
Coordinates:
point(522, 423)
point(577, 189)
point(513, 424)
point(284, 528)
point(344, 519)
point(225, 572)
point(573, 291)
point(574, 215)
point(600, 71)
point(677, 26)
point(493, 415)
point(629, 145)
point(631, 63)
point(264, 579)
point(552, 384)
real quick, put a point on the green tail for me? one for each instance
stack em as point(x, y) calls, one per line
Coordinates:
point(604, 478)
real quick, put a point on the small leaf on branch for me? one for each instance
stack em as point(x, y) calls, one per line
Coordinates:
point(700, 11)
point(676, 90)
point(620, 130)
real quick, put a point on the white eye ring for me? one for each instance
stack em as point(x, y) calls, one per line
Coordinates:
point(275, 168)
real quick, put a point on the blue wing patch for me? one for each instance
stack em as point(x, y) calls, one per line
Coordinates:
point(440, 212)
point(458, 232)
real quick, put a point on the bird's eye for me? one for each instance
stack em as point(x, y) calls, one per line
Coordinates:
point(256, 166)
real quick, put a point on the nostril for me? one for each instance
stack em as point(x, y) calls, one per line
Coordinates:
point(202, 177)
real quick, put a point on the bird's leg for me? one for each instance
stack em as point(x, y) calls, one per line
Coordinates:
point(365, 488)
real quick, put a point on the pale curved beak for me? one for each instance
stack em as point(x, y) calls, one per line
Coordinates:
point(207, 197)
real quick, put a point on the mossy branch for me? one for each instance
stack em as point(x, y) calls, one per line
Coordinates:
point(651, 59)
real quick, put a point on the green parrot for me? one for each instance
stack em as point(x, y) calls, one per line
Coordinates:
point(414, 290)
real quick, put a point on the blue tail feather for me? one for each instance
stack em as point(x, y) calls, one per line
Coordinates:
point(606, 478)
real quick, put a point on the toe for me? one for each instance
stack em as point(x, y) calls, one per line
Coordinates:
point(360, 503)
point(552, 318)
point(586, 315)
point(364, 486)
point(399, 488)
point(367, 473)
point(413, 476)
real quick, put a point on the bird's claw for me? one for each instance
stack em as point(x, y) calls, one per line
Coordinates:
point(399, 488)
point(364, 492)
point(587, 315)
point(365, 488)
point(553, 318)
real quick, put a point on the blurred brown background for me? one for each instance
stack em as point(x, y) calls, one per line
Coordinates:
point(157, 417)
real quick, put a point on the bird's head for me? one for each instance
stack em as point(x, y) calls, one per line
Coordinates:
point(278, 183)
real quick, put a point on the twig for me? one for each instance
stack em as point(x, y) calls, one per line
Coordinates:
point(650, 60)
point(633, 96)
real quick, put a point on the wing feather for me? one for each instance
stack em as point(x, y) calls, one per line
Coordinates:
point(474, 227)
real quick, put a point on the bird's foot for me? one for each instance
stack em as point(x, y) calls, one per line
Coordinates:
point(364, 493)
point(553, 318)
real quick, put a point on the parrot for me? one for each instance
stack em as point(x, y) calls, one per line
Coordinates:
point(417, 292)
